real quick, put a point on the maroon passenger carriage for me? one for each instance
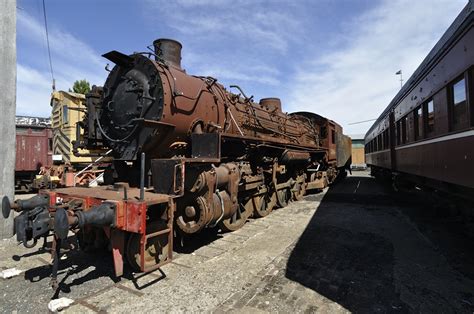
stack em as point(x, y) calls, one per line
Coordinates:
point(188, 155)
point(425, 137)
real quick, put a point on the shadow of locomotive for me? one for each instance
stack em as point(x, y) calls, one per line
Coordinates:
point(93, 264)
point(351, 268)
point(100, 262)
point(78, 266)
point(187, 244)
point(73, 262)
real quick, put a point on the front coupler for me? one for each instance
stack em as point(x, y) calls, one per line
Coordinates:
point(37, 217)
point(33, 221)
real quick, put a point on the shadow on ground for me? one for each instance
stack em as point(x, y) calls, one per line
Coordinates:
point(78, 267)
point(186, 244)
point(75, 268)
point(354, 266)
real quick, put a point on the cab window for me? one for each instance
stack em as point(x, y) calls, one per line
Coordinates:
point(65, 114)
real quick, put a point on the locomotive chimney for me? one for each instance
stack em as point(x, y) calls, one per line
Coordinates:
point(168, 50)
point(271, 104)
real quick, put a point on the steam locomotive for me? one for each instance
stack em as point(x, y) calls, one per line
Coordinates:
point(188, 155)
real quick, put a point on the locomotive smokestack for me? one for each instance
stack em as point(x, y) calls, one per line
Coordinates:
point(272, 104)
point(169, 50)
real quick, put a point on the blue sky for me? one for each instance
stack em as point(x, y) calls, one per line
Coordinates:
point(337, 58)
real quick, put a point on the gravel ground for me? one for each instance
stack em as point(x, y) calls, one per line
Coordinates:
point(353, 248)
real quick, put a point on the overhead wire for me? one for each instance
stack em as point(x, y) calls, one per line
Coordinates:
point(44, 50)
point(47, 42)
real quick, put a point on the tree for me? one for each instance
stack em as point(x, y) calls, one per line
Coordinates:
point(81, 87)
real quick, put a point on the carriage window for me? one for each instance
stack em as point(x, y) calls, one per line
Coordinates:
point(459, 105)
point(404, 130)
point(399, 132)
point(387, 139)
point(418, 123)
point(430, 117)
point(333, 137)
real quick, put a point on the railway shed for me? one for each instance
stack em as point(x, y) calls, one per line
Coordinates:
point(358, 152)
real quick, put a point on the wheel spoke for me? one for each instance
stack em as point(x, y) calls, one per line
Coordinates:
point(282, 197)
point(237, 219)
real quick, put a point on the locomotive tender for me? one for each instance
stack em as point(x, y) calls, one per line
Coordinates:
point(188, 155)
point(425, 137)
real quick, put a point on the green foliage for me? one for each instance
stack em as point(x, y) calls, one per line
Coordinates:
point(81, 87)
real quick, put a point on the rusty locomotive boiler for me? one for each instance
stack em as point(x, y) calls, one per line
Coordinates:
point(188, 155)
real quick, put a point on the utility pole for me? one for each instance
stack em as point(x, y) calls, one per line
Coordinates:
point(8, 107)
